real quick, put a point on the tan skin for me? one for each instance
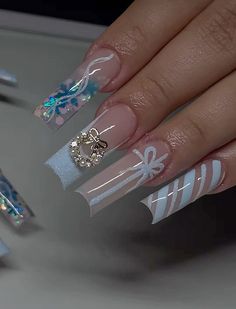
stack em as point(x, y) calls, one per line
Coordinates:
point(172, 52)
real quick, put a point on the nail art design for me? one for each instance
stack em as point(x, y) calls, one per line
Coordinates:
point(95, 73)
point(184, 190)
point(115, 126)
point(3, 249)
point(91, 139)
point(137, 167)
point(12, 206)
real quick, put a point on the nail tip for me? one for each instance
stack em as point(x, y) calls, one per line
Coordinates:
point(4, 250)
point(91, 210)
point(63, 181)
point(145, 203)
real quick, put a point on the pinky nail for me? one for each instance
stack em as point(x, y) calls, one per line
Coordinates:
point(184, 190)
point(12, 205)
point(96, 72)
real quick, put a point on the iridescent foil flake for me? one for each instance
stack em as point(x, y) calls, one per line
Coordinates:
point(12, 205)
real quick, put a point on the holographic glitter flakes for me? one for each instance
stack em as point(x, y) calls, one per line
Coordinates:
point(12, 206)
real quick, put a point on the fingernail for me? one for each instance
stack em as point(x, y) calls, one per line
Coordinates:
point(12, 205)
point(138, 166)
point(115, 126)
point(184, 190)
point(7, 78)
point(92, 75)
point(3, 249)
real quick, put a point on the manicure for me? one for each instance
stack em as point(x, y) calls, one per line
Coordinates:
point(137, 167)
point(184, 190)
point(113, 128)
point(12, 205)
point(3, 249)
point(91, 76)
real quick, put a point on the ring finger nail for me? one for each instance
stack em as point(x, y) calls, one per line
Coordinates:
point(112, 128)
point(92, 75)
point(184, 190)
point(138, 166)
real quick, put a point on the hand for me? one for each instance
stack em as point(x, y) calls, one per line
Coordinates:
point(154, 58)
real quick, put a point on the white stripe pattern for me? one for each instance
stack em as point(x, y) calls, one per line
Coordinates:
point(160, 200)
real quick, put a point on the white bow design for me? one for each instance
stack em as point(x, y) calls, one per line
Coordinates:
point(148, 169)
point(145, 170)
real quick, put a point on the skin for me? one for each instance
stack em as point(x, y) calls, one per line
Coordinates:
point(172, 52)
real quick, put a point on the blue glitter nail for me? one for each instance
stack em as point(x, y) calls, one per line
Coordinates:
point(12, 206)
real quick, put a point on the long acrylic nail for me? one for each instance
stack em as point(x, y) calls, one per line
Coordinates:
point(3, 249)
point(7, 78)
point(115, 126)
point(199, 181)
point(91, 76)
point(12, 205)
point(138, 166)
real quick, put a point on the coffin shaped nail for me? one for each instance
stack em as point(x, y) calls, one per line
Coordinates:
point(184, 190)
point(114, 126)
point(3, 249)
point(12, 205)
point(138, 166)
point(7, 78)
point(92, 75)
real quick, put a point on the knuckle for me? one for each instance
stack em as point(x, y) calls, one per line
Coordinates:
point(130, 41)
point(219, 30)
point(158, 91)
point(196, 132)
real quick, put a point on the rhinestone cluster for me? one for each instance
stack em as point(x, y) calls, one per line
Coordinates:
point(97, 148)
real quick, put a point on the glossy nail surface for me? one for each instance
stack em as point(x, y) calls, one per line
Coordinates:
point(185, 189)
point(115, 126)
point(12, 205)
point(3, 249)
point(138, 166)
point(91, 76)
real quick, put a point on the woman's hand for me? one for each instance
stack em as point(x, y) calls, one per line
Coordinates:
point(154, 58)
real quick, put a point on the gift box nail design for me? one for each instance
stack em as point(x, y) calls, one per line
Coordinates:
point(137, 167)
point(12, 205)
point(91, 76)
point(111, 129)
point(184, 190)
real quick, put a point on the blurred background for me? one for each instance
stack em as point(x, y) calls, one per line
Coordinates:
point(101, 12)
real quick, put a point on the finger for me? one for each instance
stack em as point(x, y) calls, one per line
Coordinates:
point(142, 30)
point(171, 148)
point(199, 56)
point(124, 48)
point(214, 174)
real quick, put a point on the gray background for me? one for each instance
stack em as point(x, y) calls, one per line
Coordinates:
point(116, 259)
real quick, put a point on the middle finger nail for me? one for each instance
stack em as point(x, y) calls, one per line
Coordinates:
point(115, 126)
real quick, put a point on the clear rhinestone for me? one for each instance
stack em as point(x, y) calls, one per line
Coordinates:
point(74, 144)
